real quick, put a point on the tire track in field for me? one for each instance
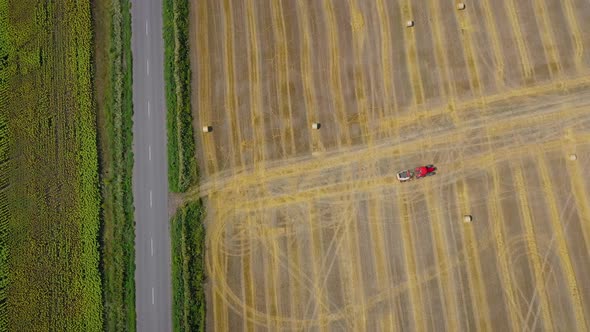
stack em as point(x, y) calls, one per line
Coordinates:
point(231, 102)
point(283, 89)
point(412, 54)
point(476, 282)
point(527, 70)
point(294, 168)
point(335, 79)
point(303, 22)
point(563, 251)
point(533, 251)
point(204, 79)
point(547, 37)
point(498, 129)
point(258, 125)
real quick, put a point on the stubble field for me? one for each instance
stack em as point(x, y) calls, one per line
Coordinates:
point(309, 229)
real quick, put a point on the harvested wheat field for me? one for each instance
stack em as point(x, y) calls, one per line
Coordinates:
point(309, 229)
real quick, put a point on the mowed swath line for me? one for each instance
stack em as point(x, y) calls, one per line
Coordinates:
point(415, 292)
point(496, 47)
point(303, 22)
point(411, 53)
point(381, 262)
point(247, 282)
point(359, 36)
point(351, 229)
point(231, 102)
point(447, 87)
point(527, 70)
point(548, 37)
point(258, 125)
point(533, 251)
point(220, 307)
point(389, 90)
point(581, 199)
point(271, 276)
point(334, 75)
point(465, 29)
point(496, 216)
point(564, 256)
point(319, 286)
point(294, 281)
point(574, 27)
point(481, 311)
point(347, 269)
point(446, 280)
point(204, 79)
point(282, 71)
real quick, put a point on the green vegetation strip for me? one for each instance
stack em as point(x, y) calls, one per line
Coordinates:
point(113, 83)
point(188, 268)
point(181, 144)
point(53, 197)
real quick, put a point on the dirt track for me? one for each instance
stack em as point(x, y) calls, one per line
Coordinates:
point(308, 229)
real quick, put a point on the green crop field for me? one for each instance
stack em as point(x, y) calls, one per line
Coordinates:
point(4, 215)
point(52, 196)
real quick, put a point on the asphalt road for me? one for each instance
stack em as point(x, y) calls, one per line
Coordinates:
point(150, 182)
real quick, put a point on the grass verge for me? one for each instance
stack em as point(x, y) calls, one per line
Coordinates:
point(182, 169)
point(188, 268)
point(53, 198)
point(113, 86)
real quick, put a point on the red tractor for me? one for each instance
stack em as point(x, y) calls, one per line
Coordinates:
point(418, 173)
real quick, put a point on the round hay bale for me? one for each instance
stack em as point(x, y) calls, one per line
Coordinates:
point(316, 125)
point(207, 129)
point(409, 24)
point(461, 6)
point(573, 157)
point(467, 218)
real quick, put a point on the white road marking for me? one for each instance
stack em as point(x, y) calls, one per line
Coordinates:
point(150, 152)
point(153, 299)
point(147, 64)
point(146, 28)
point(152, 245)
point(148, 107)
point(150, 198)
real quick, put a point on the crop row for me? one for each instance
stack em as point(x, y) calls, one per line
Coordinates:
point(181, 145)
